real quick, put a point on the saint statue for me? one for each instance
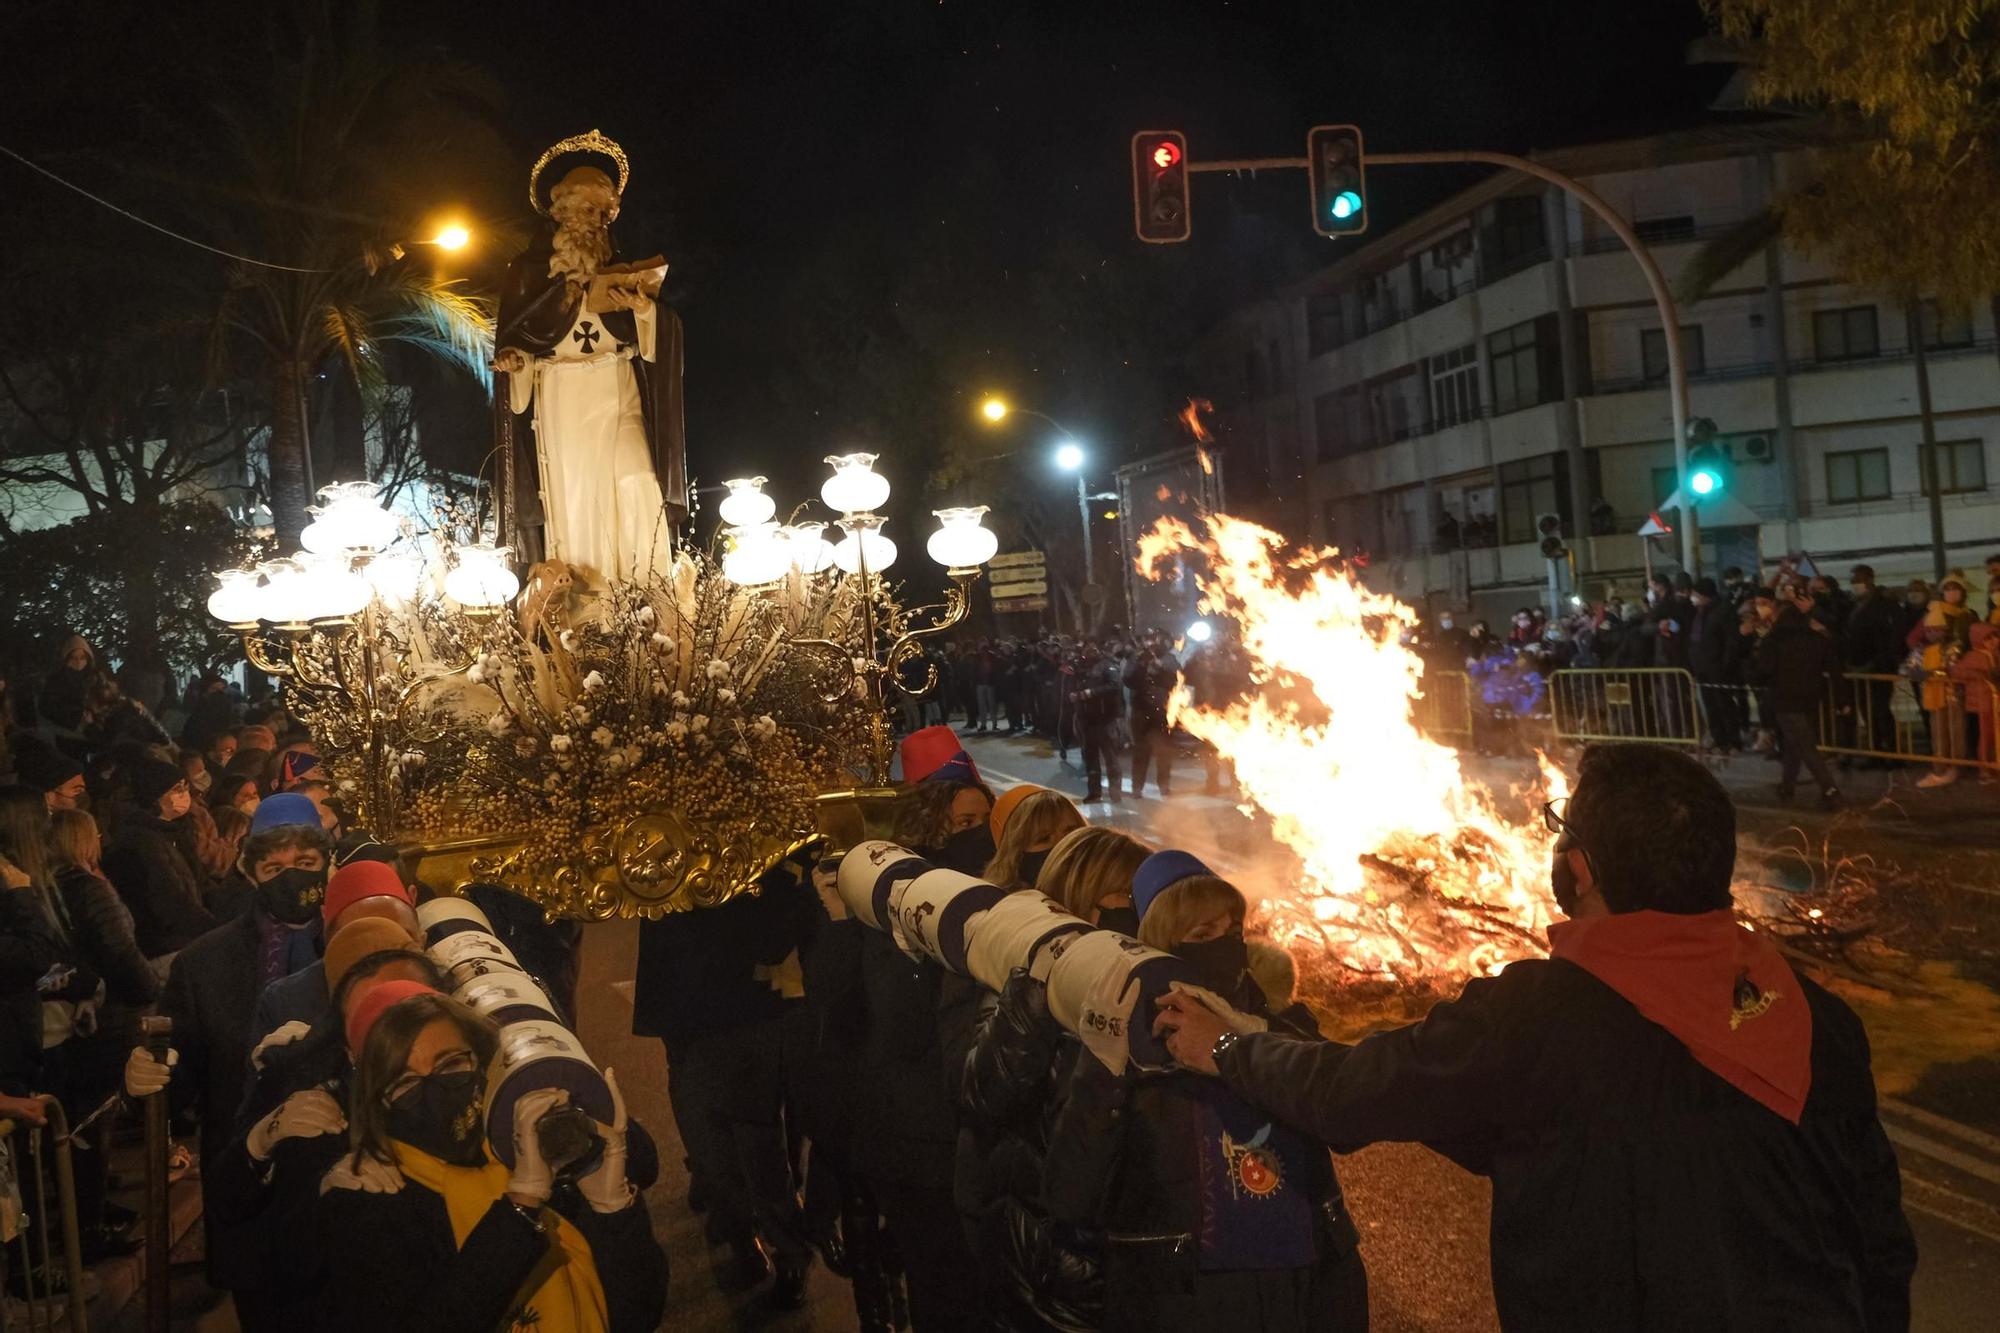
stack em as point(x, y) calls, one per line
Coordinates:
point(589, 380)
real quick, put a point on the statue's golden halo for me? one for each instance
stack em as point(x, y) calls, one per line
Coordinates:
point(593, 142)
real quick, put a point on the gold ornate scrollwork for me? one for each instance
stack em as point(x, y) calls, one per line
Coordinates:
point(652, 864)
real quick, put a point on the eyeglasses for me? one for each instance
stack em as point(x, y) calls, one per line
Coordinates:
point(451, 1062)
point(1552, 815)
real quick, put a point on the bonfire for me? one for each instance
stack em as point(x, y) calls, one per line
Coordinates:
point(1411, 874)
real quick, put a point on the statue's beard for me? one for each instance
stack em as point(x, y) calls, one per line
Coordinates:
point(581, 248)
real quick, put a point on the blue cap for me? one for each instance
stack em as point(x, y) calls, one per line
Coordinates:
point(1160, 872)
point(282, 810)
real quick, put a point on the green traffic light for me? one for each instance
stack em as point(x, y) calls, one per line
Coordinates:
point(1345, 205)
point(1704, 482)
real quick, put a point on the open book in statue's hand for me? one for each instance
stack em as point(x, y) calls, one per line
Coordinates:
point(626, 286)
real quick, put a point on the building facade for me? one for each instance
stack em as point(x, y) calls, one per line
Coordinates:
point(1434, 393)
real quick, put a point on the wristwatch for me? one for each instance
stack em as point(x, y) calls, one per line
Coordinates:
point(1222, 1045)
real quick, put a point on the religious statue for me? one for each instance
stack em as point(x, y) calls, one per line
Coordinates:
point(588, 364)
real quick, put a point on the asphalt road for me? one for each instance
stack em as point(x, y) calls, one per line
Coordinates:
point(1423, 1220)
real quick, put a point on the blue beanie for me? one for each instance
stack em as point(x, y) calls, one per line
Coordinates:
point(1160, 872)
point(284, 809)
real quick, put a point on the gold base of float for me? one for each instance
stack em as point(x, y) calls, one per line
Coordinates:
point(651, 865)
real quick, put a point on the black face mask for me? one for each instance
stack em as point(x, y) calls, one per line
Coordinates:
point(968, 850)
point(1124, 920)
point(293, 896)
point(441, 1116)
point(1031, 865)
point(1218, 964)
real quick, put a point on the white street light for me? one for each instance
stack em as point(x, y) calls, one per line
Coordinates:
point(1069, 456)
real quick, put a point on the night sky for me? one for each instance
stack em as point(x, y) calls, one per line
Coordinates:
point(930, 171)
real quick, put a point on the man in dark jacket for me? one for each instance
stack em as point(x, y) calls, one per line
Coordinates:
point(150, 859)
point(211, 996)
point(1712, 626)
point(1680, 1130)
point(1151, 679)
point(1097, 701)
point(1798, 661)
point(1872, 644)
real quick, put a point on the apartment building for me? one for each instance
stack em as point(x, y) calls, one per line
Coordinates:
point(1432, 393)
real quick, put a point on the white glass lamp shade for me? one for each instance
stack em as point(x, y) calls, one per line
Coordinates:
point(397, 576)
point(855, 486)
point(350, 518)
point(284, 599)
point(746, 504)
point(960, 541)
point(881, 552)
point(811, 551)
point(332, 590)
point(758, 554)
point(237, 600)
point(481, 579)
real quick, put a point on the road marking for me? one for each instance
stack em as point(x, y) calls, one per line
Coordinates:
point(1943, 1152)
point(1943, 1124)
point(1952, 1219)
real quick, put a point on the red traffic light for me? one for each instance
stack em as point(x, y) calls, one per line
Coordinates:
point(1160, 186)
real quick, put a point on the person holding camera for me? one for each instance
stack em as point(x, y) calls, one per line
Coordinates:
point(461, 1243)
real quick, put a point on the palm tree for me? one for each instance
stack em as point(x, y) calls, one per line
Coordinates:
point(331, 155)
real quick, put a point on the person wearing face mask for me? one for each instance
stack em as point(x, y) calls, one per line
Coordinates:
point(1660, 1098)
point(213, 983)
point(55, 775)
point(467, 1245)
point(1026, 822)
point(212, 855)
point(1097, 702)
point(147, 860)
point(1213, 1213)
point(236, 791)
point(1009, 1066)
point(364, 887)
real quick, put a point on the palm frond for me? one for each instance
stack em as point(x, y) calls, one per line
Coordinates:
point(443, 320)
point(1721, 256)
point(348, 330)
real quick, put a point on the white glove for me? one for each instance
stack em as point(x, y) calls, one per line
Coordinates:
point(303, 1115)
point(359, 1171)
point(532, 1178)
point(605, 1187)
point(144, 1075)
point(1238, 1020)
point(282, 1035)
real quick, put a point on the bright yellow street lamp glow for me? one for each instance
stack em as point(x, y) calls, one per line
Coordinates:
point(453, 237)
point(994, 409)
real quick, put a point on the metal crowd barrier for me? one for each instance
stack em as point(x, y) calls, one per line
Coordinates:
point(32, 1270)
point(1935, 720)
point(1444, 710)
point(1658, 704)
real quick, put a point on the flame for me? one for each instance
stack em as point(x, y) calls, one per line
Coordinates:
point(1191, 422)
point(1410, 873)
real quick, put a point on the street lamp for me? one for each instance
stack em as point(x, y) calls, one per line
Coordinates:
point(453, 237)
point(1069, 456)
point(994, 409)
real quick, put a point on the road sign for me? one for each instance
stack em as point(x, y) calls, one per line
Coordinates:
point(1016, 559)
point(1021, 605)
point(1007, 592)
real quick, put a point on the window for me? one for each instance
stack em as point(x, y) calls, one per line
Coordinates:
point(1454, 387)
point(1514, 237)
point(1855, 475)
point(1961, 466)
point(1653, 352)
point(1340, 424)
point(1326, 426)
point(1528, 489)
point(1663, 231)
point(1326, 326)
point(1843, 335)
point(1955, 330)
point(1516, 367)
point(1393, 405)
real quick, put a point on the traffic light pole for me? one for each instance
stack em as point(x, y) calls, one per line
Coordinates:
point(1663, 297)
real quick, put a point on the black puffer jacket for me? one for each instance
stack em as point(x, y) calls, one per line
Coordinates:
point(1125, 1160)
point(1039, 1272)
point(152, 873)
point(1797, 661)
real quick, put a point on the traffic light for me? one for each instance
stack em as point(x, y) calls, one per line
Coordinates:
point(1160, 186)
point(1550, 526)
point(1708, 470)
point(1339, 181)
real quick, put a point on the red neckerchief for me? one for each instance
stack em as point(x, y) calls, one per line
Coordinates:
point(1722, 991)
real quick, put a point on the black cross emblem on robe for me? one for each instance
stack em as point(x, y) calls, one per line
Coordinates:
point(587, 335)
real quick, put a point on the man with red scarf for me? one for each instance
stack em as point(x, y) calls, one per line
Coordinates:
point(1680, 1130)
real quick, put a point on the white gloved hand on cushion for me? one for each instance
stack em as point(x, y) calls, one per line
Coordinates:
point(532, 1177)
point(606, 1188)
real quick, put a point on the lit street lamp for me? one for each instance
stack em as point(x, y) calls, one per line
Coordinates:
point(1069, 456)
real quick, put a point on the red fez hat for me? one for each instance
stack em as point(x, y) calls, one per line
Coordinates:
point(357, 880)
point(936, 752)
point(374, 1002)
